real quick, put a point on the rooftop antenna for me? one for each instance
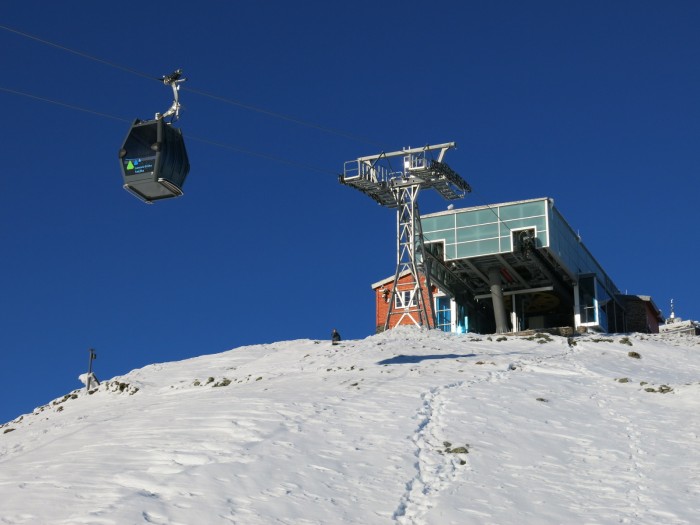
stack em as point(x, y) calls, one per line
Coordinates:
point(374, 176)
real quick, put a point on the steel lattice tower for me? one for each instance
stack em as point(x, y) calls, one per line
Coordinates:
point(374, 176)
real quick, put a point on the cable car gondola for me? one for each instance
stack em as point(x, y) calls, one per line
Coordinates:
point(153, 157)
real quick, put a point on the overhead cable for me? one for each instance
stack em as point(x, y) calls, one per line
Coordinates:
point(227, 100)
point(231, 147)
point(78, 53)
point(63, 104)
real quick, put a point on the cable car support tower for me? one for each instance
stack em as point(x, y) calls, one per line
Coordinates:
point(374, 176)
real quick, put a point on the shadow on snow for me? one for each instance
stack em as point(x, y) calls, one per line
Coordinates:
point(408, 359)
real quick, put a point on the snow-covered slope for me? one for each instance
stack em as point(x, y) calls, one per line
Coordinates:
point(410, 427)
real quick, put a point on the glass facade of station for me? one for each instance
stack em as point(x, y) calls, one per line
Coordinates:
point(484, 232)
point(474, 232)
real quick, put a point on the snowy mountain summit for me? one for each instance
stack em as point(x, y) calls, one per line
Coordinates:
point(409, 427)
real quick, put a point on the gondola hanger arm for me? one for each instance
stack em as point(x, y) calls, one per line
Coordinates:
point(173, 80)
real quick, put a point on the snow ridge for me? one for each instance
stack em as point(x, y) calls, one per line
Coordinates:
point(409, 427)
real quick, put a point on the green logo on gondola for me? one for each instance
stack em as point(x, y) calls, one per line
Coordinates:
point(138, 166)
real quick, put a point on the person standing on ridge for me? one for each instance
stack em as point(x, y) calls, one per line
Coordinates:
point(335, 337)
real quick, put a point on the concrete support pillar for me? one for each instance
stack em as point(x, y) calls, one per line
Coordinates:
point(454, 321)
point(577, 307)
point(499, 308)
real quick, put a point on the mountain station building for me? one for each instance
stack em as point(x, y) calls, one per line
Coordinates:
point(516, 266)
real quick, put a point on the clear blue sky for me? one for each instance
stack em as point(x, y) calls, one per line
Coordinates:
point(595, 104)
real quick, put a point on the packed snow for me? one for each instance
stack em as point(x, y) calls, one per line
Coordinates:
point(409, 427)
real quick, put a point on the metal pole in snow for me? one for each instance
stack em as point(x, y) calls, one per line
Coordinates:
point(88, 381)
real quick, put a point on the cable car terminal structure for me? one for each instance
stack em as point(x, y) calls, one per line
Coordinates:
point(488, 269)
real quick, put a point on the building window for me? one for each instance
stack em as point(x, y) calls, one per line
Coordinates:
point(404, 299)
point(594, 302)
point(443, 312)
point(586, 287)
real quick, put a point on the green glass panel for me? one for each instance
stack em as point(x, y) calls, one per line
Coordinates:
point(474, 233)
point(473, 249)
point(442, 222)
point(472, 218)
point(522, 210)
point(505, 244)
point(542, 241)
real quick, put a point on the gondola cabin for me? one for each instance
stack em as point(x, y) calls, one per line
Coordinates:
point(154, 160)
